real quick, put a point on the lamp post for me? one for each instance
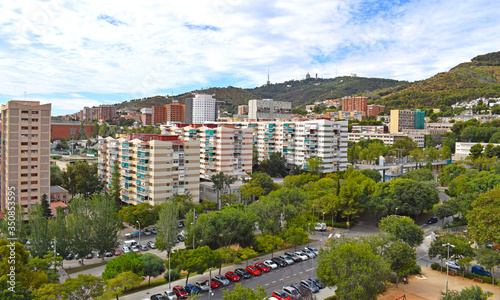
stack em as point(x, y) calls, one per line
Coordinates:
point(139, 232)
point(309, 232)
point(447, 265)
point(194, 220)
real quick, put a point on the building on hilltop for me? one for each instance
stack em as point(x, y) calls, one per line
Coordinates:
point(25, 152)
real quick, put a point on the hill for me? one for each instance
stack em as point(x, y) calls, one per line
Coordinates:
point(478, 78)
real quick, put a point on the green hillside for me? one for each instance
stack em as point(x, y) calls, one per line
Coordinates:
point(478, 78)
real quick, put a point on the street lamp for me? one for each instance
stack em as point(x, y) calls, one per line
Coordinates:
point(194, 220)
point(448, 265)
point(139, 232)
point(323, 217)
point(309, 232)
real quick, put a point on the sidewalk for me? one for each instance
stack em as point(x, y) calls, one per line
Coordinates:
point(430, 286)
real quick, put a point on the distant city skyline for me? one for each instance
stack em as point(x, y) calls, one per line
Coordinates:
point(86, 53)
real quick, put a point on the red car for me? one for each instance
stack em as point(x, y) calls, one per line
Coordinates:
point(180, 292)
point(117, 252)
point(262, 267)
point(232, 276)
point(280, 295)
point(253, 270)
point(215, 283)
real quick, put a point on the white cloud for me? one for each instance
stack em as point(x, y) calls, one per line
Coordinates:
point(137, 48)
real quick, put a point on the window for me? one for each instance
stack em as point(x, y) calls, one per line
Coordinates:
point(24, 159)
point(34, 197)
point(34, 182)
point(34, 159)
point(24, 144)
point(34, 128)
point(24, 190)
point(34, 174)
point(24, 167)
point(24, 127)
point(34, 151)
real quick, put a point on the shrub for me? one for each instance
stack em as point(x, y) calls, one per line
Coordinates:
point(334, 297)
point(56, 157)
point(436, 266)
point(174, 275)
point(415, 270)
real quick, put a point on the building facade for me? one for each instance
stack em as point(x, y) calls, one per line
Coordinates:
point(352, 103)
point(374, 110)
point(146, 116)
point(387, 138)
point(268, 109)
point(242, 109)
point(70, 130)
point(401, 120)
point(25, 152)
point(200, 109)
point(152, 167)
point(419, 119)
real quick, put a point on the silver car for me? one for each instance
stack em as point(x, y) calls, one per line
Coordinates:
point(287, 259)
point(222, 279)
point(201, 285)
point(291, 292)
point(170, 295)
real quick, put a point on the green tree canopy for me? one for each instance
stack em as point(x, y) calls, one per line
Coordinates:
point(402, 229)
point(484, 218)
point(126, 262)
point(197, 260)
point(468, 293)
point(152, 265)
point(406, 144)
point(241, 293)
point(123, 281)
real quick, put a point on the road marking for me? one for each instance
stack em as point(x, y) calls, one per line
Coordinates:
point(288, 277)
point(281, 279)
point(274, 281)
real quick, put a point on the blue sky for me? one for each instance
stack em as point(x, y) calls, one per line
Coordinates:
point(83, 53)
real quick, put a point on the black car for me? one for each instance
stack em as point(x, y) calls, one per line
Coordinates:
point(279, 262)
point(158, 297)
point(432, 220)
point(318, 282)
point(242, 273)
point(302, 290)
point(181, 224)
point(69, 257)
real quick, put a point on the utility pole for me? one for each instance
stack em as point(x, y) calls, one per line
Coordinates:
point(447, 265)
point(194, 220)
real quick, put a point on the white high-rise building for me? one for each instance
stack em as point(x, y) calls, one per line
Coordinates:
point(268, 109)
point(200, 109)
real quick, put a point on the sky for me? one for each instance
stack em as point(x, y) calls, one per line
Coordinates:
point(84, 53)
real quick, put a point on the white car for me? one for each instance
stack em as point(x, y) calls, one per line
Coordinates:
point(271, 264)
point(314, 250)
point(302, 256)
point(453, 265)
point(287, 259)
point(170, 295)
point(126, 250)
point(135, 248)
point(309, 253)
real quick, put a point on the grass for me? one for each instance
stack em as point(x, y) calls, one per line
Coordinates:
point(83, 268)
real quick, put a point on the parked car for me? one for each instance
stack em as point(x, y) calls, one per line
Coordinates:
point(318, 282)
point(479, 270)
point(180, 238)
point(262, 267)
point(181, 224)
point(281, 295)
point(126, 250)
point(232, 276)
point(453, 265)
point(222, 279)
point(201, 285)
point(314, 250)
point(180, 292)
point(191, 289)
point(69, 257)
point(214, 283)
point(108, 254)
point(152, 245)
point(287, 259)
point(271, 264)
point(291, 292)
point(253, 270)
point(432, 220)
point(152, 230)
point(159, 297)
point(302, 290)
point(294, 256)
point(242, 273)
point(309, 253)
point(144, 247)
point(170, 295)
point(320, 227)
point(135, 248)
point(89, 256)
point(308, 284)
point(146, 232)
point(280, 262)
point(117, 252)
point(302, 255)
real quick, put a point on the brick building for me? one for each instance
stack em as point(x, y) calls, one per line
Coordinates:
point(351, 103)
point(374, 110)
point(69, 130)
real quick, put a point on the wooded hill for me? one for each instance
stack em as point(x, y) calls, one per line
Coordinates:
point(478, 78)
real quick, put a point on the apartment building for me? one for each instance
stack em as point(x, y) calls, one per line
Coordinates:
point(401, 120)
point(146, 115)
point(349, 115)
point(158, 115)
point(104, 112)
point(462, 149)
point(200, 109)
point(226, 149)
point(25, 152)
point(268, 109)
point(387, 138)
point(352, 103)
point(377, 129)
point(242, 109)
point(439, 128)
point(299, 141)
point(169, 113)
point(374, 110)
point(87, 114)
point(152, 167)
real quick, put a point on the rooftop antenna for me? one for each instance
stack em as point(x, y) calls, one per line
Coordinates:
point(268, 82)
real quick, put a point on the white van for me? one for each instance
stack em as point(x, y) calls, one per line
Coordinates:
point(129, 243)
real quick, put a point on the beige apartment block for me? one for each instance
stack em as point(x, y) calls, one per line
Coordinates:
point(226, 149)
point(152, 167)
point(25, 152)
point(401, 120)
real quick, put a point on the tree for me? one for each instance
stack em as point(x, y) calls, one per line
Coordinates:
point(269, 211)
point(296, 236)
point(167, 226)
point(105, 224)
point(468, 293)
point(79, 227)
point(489, 258)
point(315, 166)
point(276, 165)
point(104, 130)
point(402, 229)
point(221, 182)
point(123, 281)
point(373, 174)
point(445, 152)
point(197, 260)
point(401, 257)
point(46, 265)
point(47, 212)
point(354, 267)
point(446, 209)
point(153, 266)
point(448, 173)
point(83, 287)
point(476, 151)
point(489, 151)
point(247, 253)
point(227, 255)
point(81, 178)
point(462, 248)
point(55, 175)
point(145, 213)
point(59, 231)
point(19, 229)
point(115, 188)
point(128, 262)
point(39, 233)
point(18, 292)
point(268, 243)
point(241, 293)
point(406, 143)
point(484, 218)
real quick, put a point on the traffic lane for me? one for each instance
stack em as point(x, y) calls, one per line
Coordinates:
point(271, 281)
